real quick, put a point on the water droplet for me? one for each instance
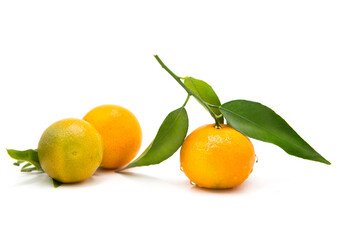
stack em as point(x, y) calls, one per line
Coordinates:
point(181, 168)
point(192, 183)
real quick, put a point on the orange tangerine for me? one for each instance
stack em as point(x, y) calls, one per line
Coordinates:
point(217, 157)
point(120, 132)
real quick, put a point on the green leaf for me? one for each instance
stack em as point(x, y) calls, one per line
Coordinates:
point(205, 92)
point(31, 160)
point(168, 140)
point(260, 122)
point(29, 156)
point(26, 165)
point(29, 169)
point(17, 163)
point(56, 183)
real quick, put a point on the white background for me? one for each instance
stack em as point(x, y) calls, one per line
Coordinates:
point(59, 59)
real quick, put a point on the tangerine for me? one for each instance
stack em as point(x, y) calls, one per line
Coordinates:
point(120, 132)
point(70, 150)
point(217, 157)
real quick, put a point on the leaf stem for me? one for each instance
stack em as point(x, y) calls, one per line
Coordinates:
point(187, 99)
point(177, 78)
point(190, 93)
point(214, 106)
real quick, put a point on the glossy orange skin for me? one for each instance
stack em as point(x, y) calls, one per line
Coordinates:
point(217, 157)
point(120, 131)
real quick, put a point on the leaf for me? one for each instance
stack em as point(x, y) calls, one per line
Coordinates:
point(205, 92)
point(29, 156)
point(56, 183)
point(26, 165)
point(29, 169)
point(260, 122)
point(168, 140)
point(17, 163)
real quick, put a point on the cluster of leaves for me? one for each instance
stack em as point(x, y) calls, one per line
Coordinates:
point(28, 160)
point(250, 118)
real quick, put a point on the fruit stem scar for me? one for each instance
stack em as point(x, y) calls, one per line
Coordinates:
point(190, 93)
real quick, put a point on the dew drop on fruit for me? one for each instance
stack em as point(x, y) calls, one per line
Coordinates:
point(181, 168)
point(192, 183)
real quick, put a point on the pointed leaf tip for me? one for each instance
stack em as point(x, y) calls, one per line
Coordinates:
point(56, 183)
point(168, 140)
point(262, 123)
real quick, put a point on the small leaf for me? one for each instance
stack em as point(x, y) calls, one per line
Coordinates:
point(260, 122)
point(29, 169)
point(17, 163)
point(26, 165)
point(169, 138)
point(56, 183)
point(205, 92)
point(30, 156)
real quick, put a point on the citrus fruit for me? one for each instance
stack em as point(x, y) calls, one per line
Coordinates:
point(120, 131)
point(70, 150)
point(217, 157)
